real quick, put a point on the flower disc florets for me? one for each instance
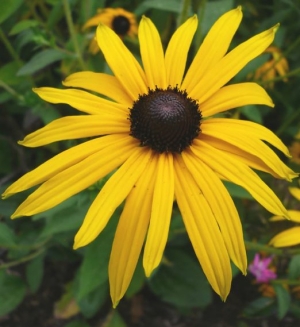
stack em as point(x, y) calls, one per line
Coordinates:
point(121, 25)
point(165, 120)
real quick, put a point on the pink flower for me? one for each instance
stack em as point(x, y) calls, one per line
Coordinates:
point(259, 268)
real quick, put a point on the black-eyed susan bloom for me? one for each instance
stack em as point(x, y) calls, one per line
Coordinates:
point(290, 236)
point(121, 21)
point(158, 132)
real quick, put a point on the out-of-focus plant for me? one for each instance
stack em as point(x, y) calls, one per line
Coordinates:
point(42, 42)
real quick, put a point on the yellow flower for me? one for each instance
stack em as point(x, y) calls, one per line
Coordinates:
point(295, 152)
point(157, 131)
point(277, 64)
point(290, 236)
point(122, 22)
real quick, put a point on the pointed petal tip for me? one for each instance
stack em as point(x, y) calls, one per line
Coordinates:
point(239, 8)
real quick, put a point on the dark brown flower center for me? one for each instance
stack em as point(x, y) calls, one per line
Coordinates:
point(121, 25)
point(165, 120)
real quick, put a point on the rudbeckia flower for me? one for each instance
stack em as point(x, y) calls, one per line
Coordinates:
point(295, 152)
point(157, 132)
point(121, 21)
point(290, 236)
point(277, 64)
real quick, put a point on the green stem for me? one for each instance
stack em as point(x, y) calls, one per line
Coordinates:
point(289, 120)
point(199, 8)
point(184, 12)
point(11, 91)
point(24, 259)
point(73, 33)
point(285, 281)
point(270, 249)
point(10, 48)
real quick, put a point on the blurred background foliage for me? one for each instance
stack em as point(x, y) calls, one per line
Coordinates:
point(42, 42)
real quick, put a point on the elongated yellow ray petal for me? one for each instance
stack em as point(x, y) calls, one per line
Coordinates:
point(213, 48)
point(75, 178)
point(65, 160)
point(234, 96)
point(247, 158)
point(75, 127)
point(222, 207)
point(219, 74)
point(203, 230)
point(161, 212)
point(251, 128)
point(177, 51)
point(112, 195)
point(122, 62)
point(295, 191)
point(101, 83)
point(252, 145)
point(239, 174)
point(294, 215)
point(80, 100)
point(288, 237)
point(152, 54)
point(131, 232)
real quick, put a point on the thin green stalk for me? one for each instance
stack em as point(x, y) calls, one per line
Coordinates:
point(199, 8)
point(11, 91)
point(271, 249)
point(286, 281)
point(72, 32)
point(10, 48)
point(184, 12)
point(24, 259)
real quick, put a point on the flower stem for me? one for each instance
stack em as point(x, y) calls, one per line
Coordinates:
point(10, 48)
point(184, 12)
point(73, 33)
point(271, 249)
point(24, 259)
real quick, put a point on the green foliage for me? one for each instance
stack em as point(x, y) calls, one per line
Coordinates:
point(39, 47)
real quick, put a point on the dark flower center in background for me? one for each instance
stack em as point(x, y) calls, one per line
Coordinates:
point(121, 25)
point(165, 120)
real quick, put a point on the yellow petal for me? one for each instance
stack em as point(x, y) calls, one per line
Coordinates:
point(251, 128)
point(234, 96)
point(214, 47)
point(101, 83)
point(177, 51)
point(288, 237)
point(64, 160)
point(249, 144)
point(75, 127)
point(219, 74)
point(294, 215)
point(247, 158)
point(131, 233)
point(80, 100)
point(121, 61)
point(76, 178)
point(222, 207)
point(152, 54)
point(161, 211)
point(295, 191)
point(203, 230)
point(112, 195)
point(240, 174)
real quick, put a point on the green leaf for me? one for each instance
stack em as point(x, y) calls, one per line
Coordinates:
point(12, 292)
point(212, 11)
point(294, 267)
point(41, 60)
point(47, 113)
point(237, 191)
point(7, 9)
point(181, 281)
point(253, 113)
point(90, 304)
point(137, 281)
point(23, 25)
point(167, 5)
point(94, 268)
point(7, 236)
point(77, 323)
point(283, 300)
point(35, 272)
point(261, 307)
point(8, 73)
point(114, 320)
